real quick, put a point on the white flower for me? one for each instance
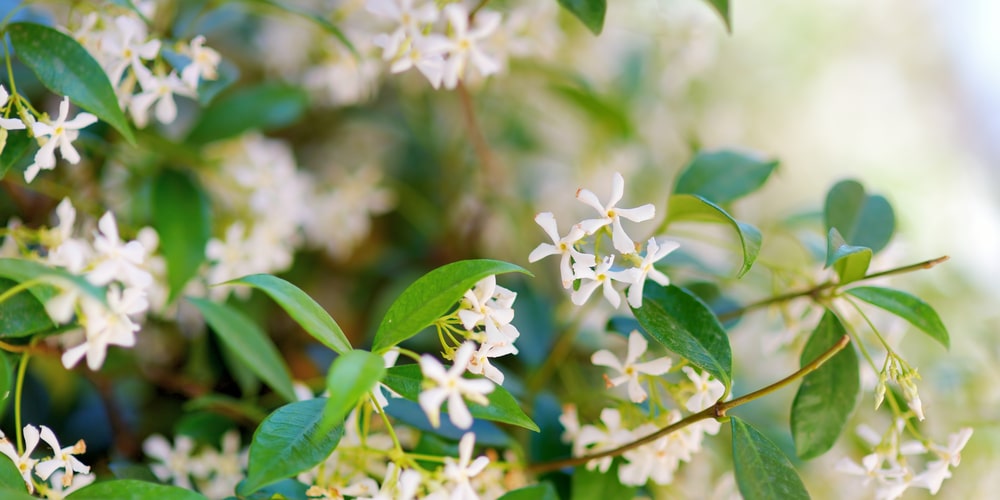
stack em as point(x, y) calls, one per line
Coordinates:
point(159, 90)
point(611, 214)
point(62, 458)
point(203, 66)
point(116, 260)
point(458, 473)
point(707, 390)
point(949, 455)
point(23, 462)
point(106, 326)
point(8, 123)
point(600, 275)
point(397, 485)
point(55, 489)
point(480, 362)
point(389, 358)
point(462, 46)
point(869, 468)
point(220, 471)
point(176, 462)
point(409, 17)
point(126, 45)
point(562, 247)
point(410, 51)
point(591, 439)
point(654, 252)
point(59, 133)
point(630, 370)
point(452, 387)
point(490, 306)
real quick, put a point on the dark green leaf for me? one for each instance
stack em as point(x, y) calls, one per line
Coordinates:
point(250, 343)
point(762, 471)
point(722, 8)
point(432, 296)
point(288, 441)
point(597, 485)
point(919, 313)
point(541, 491)
point(863, 220)
point(685, 325)
point(406, 381)
point(16, 146)
point(264, 107)
point(589, 12)
point(21, 314)
point(10, 477)
point(723, 176)
point(320, 21)
point(67, 69)
point(6, 382)
point(132, 489)
point(827, 397)
point(301, 307)
point(181, 218)
point(850, 262)
point(351, 377)
point(689, 207)
point(128, 470)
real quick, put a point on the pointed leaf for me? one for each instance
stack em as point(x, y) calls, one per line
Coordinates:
point(723, 176)
point(21, 314)
point(10, 478)
point(249, 342)
point(828, 396)
point(14, 149)
point(850, 262)
point(182, 220)
point(288, 441)
point(685, 325)
point(351, 377)
point(432, 296)
point(264, 107)
point(51, 278)
point(722, 8)
point(407, 379)
point(862, 219)
point(133, 489)
point(67, 69)
point(762, 471)
point(689, 207)
point(301, 307)
point(589, 12)
point(919, 313)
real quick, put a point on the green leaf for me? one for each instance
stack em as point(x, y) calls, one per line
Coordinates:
point(6, 382)
point(10, 477)
point(850, 262)
point(863, 220)
point(132, 489)
point(540, 491)
point(264, 107)
point(51, 279)
point(432, 296)
point(722, 8)
point(406, 381)
point(288, 441)
point(600, 109)
point(16, 146)
point(597, 485)
point(827, 397)
point(589, 12)
point(689, 207)
point(351, 377)
point(21, 314)
point(249, 342)
point(762, 471)
point(67, 69)
point(320, 21)
point(723, 176)
point(128, 4)
point(301, 307)
point(685, 325)
point(181, 218)
point(919, 313)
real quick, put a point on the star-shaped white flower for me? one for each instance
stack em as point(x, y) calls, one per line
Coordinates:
point(654, 252)
point(599, 276)
point(62, 458)
point(107, 325)
point(23, 462)
point(177, 462)
point(561, 246)
point(707, 390)
point(159, 90)
point(490, 306)
point(449, 385)
point(8, 123)
point(611, 214)
point(463, 44)
point(203, 66)
point(630, 370)
point(126, 44)
point(58, 133)
point(458, 473)
point(117, 260)
point(591, 439)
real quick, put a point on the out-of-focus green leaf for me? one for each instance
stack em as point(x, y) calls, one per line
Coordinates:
point(181, 218)
point(601, 110)
point(589, 12)
point(264, 107)
point(762, 471)
point(693, 208)
point(722, 8)
point(17, 145)
point(540, 491)
point(850, 262)
point(351, 377)
point(596, 485)
point(311, 16)
point(862, 219)
point(51, 279)
point(67, 69)
point(827, 397)
point(723, 176)
point(21, 314)
point(919, 313)
point(250, 343)
point(132, 489)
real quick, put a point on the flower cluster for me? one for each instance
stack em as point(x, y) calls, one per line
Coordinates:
point(215, 472)
point(587, 263)
point(48, 133)
point(60, 474)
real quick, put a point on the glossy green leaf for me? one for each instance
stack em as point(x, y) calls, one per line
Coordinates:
point(406, 381)
point(51, 279)
point(351, 377)
point(15, 148)
point(6, 382)
point(828, 396)
point(685, 325)
point(264, 107)
point(10, 478)
point(762, 471)
point(723, 176)
point(862, 219)
point(317, 18)
point(181, 218)
point(21, 314)
point(132, 489)
point(850, 262)
point(250, 343)
point(722, 8)
point(693, 208)
point(287, 442)
point(597, 485)
point(919, 313)
point(432, 296)
point(589, 12)
point(67, 69)
point(301, 307)
point(540, 491)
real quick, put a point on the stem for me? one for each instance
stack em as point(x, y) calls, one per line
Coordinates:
point(491, 174)
point(718, 410)
point(18, 390)
point(18, 288)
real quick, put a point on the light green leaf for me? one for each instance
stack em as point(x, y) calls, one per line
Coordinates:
point(10, 478)
point(132, 489)
point(862, 219)
point(540, 491)
point(406, 380)
point(264, 107)
point(597, 485)
point(249, 342)
point(21, 314)
point(827, 397)
point(288, 441)
point(351, 377)
point(723, 176)
point(301, 307)
point(919, 313)
point(320, 21)
point(685, 325)
point(432, 296)
point(722, 8)
point(602, 110)
point(762, 471)
point(589, 12)
point(689, 207)
point(17, 145)
point(21, 270)
point(67, 69)
point(850, 262)
point(181, 218)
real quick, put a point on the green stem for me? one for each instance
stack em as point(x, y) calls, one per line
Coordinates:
point(14, 290)
point(18, 390)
